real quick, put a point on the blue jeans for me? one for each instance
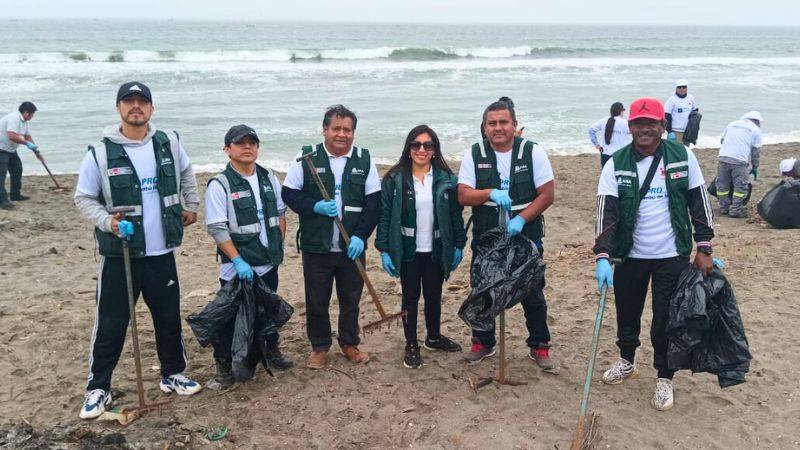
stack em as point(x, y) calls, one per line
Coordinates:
point(535, 309)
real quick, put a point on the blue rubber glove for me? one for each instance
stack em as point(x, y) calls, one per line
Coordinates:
point(502, 199)
point(458, 255)
point(719, 263)
point(125, 229)
point(326, 208)
point(388, 265)
point(754, 173)
point(603, 273)
point(356, 247)
point(671, 135)
point(243, 270)
point(515, 225)
point(31, 145)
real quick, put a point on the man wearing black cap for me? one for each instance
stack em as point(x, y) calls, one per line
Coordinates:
point(242, 202)
point(147, 170)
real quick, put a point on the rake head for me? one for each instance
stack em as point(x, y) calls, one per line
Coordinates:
point(388, 320)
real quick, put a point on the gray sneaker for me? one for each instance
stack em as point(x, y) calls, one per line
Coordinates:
point(478, 353)
point(619, 372)
point(662, 397)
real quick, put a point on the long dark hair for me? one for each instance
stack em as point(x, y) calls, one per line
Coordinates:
point(403, 165)
point(616, 109)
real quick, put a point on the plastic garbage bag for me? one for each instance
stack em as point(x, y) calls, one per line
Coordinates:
point(780, 207)
point(504, 271)
point(254, 312)
point(712, 190)
point(704, 329)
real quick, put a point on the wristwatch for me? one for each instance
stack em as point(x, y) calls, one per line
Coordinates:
point(705, 249)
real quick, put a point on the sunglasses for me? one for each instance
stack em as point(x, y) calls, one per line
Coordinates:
point(418, 146)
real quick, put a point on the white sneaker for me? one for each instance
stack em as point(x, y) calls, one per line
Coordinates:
point(179, 384)
point(662, 397)
point(619, 372)
point(95, 403)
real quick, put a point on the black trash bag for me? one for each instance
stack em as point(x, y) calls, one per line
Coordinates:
point(704, 329)
point(712, 190)
point(780, 207)
point(692, 131)
point(504, 271)
point(254, 312)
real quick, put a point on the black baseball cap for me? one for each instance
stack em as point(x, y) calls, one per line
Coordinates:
point(239, 132)
point(134, 87)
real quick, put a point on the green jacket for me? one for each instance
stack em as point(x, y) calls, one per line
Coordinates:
point(676, 164)
point(398, 222)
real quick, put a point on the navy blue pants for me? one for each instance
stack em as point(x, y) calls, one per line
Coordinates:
point(10, 162)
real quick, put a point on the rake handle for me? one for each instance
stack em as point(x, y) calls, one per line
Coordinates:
point(361, 270)
point(41, 158)
point(598, 321)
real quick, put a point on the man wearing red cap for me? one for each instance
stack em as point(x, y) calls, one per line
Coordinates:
point(649, 195)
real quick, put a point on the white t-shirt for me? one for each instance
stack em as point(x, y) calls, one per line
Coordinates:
point(217, 212)
point(653, 237)
point(620, 137)
point(144, 162)
point(542, 172)
point(680, 108)
point(12, 122)
point(294, 180)
point(739, 137)
point(423, 203)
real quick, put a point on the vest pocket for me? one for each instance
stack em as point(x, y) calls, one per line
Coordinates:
point(245, 207)
point(173, 225)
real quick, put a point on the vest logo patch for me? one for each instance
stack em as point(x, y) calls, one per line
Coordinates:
point(484, 166)
point(522, 168)
point(320, 170)
point(166, 161)
point(624, 180)
point(119, 171)
point(240, 194)
point(676, 175)
point(267, 188)
point(357, 171)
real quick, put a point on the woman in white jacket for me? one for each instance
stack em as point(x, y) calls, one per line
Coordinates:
point(613, 131)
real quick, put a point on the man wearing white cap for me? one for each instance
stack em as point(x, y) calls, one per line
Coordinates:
point(790, 167)
point(740, 150)
point(677, 110)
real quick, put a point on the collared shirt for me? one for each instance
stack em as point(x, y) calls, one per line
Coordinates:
point(12, 122)
point(423, 203)
point(294, 180)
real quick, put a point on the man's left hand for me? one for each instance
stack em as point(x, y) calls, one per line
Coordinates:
point(704, 262)
point(38, 155)
point(188, 218)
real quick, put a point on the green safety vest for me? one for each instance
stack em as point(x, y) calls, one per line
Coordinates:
point(121, 188)
point(243, 223)
point(521, 188)
point(400, 236)
point(316, 231)
point(676, 165)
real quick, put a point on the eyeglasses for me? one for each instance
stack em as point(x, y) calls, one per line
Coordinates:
point(418, 146)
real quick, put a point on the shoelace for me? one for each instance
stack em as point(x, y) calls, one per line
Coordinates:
point(180, 378)
point(621, 368)
point(663, 391)
point(94, 397)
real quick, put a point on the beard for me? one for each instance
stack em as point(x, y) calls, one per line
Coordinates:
point(135, 121)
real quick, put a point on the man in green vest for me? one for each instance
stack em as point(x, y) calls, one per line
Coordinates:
point(506, 174)
point(649, 196)
point(245, 216)
point(351, 179)
point(146, 169)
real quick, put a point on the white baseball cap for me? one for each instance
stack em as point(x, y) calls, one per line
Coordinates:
point(681, 82)
point(753, 115)
point(787, 165)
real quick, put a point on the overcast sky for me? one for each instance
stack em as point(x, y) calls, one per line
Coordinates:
point(662, 12)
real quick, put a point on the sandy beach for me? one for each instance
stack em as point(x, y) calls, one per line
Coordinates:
point(48, 275)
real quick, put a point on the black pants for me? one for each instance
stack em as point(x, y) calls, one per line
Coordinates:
point(425, 275)
point(10, 162)
point(222, 347)
point(156, 278)
point(319, 272)
point(630, 290)
point(603, 159)
point(535, 309)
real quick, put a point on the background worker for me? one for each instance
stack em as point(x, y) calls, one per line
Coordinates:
point(612, 131)
point(351, 179)
point(242, 202)
point(13, 133)
point(141, 167)
point(738, 158)
point(790, 167)
point(421, 235)
point(650, 194)
point(677, 110)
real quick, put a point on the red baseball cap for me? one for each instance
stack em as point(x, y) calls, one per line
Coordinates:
point(646, 107)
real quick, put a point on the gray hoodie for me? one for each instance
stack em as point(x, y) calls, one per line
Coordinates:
point(91, 207)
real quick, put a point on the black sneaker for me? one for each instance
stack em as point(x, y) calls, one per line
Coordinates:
point(442, 343)
point(5, 204)
point(276, 359)
point(19, 198)
point(412, 360)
